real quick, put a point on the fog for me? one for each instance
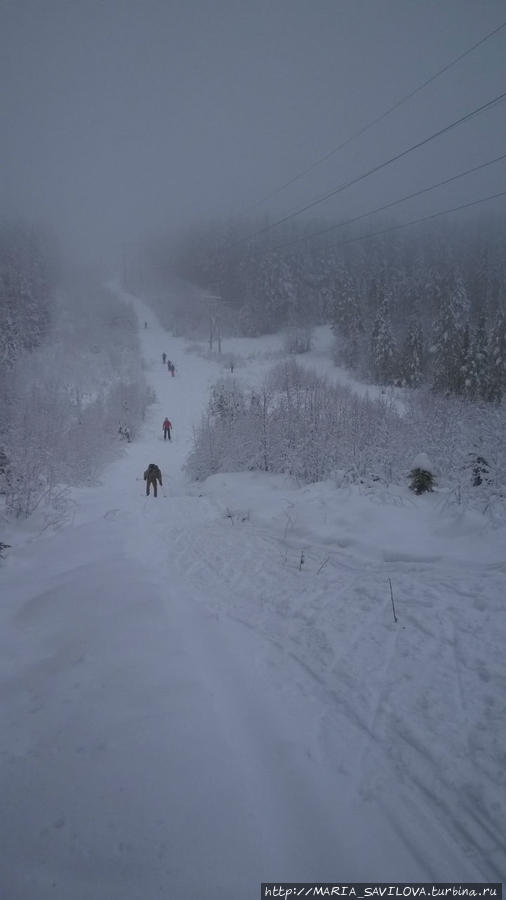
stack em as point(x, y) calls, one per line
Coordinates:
point(122, 117)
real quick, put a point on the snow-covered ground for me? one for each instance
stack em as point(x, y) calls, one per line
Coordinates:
point(259, 355)
point(189, 709)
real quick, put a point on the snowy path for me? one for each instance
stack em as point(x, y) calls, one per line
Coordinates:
point(186, 714)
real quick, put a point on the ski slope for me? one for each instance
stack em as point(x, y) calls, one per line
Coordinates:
point(188, 710)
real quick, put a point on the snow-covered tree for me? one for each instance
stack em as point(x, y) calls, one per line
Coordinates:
point(346, 320)
point(447, 347)
point(227, 401)
point(63, 402)
point(27, 277)
point(481, 356)
point(497, 358)
point(466, 380)
point(421, 475)
point(413, 356)
point(383, 346)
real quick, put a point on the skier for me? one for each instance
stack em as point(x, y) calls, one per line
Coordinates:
point(164, 357)
point(145, 324)
point(173, 369)
point(169, 365)
point(167, 425)
point(151, 476)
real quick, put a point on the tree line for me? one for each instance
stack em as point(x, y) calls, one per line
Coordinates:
point(424, 305)
point(301, 424)
point(71, 378)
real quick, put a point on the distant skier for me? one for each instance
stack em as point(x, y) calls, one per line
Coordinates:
point(172, 369)
point(169, 365)
point(164, 357)
point(145, 324)
point(166, 429)
point(152, 475)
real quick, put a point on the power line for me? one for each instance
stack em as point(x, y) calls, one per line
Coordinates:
point(378, 119)
point(371, 212)
point(342, 187)
point(427, 218)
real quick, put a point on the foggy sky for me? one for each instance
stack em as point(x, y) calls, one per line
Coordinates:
point(122, 116)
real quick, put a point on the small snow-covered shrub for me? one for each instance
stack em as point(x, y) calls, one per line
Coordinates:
point(422, 478)
point(480, 471)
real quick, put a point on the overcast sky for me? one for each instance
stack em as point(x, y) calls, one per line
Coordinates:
point(119, 116)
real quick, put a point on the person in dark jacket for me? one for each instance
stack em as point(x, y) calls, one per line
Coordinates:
point(152, 475)
point(167, 425)
point(164, 357)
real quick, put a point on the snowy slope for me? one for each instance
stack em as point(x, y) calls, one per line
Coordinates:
point(187, 710)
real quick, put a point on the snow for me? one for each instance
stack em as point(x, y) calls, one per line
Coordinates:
point(188, 709)
point(422, 461)
point(262, 354)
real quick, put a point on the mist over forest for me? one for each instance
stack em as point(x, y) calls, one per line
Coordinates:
point(383, 221)
point(281, 228)
point(385, 224)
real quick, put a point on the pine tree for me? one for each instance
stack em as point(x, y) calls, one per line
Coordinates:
point(422, 481)
point(345, 307)
point(466, 380)
point(480, 471)
point(481, 357)
point(346, 319)
point(449, 348)
point(460, 300)
point(496, 378)
point(25, 286)
point(227, 401)
point(413, 356)
point(422, 478)
point(383, 346)
point(276, 291)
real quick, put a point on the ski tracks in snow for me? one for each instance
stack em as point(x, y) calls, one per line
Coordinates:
point(275, 716)
point(402, 695)
point(409, 719)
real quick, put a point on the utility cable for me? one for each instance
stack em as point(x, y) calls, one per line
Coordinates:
point(436, 215)
point(378, 119)
point(342, 187)
point(371, 212)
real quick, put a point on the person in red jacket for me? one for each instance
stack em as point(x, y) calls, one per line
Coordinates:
point(166, 429)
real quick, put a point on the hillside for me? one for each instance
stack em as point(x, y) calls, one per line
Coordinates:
point(209, 690)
